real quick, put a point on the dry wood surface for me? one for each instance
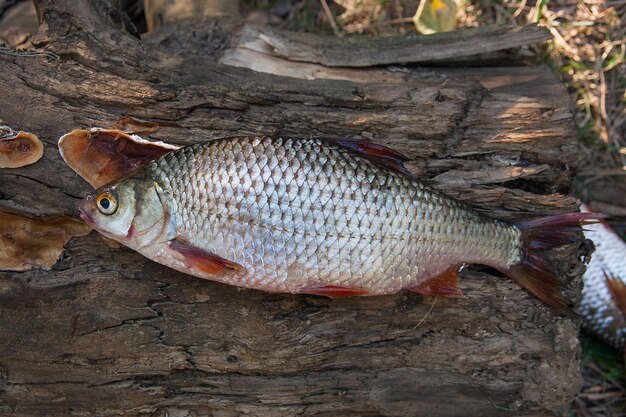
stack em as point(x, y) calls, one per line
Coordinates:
point(107, 332)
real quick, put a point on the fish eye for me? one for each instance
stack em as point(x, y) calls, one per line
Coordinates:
point(107, 203)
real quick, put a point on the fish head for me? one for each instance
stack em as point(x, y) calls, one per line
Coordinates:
point(131, 212)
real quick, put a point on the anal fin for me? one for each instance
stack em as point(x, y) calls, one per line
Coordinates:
point(334, 291)
point(443, 285)
point(203, 261)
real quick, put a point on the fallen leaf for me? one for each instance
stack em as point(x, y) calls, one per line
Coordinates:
point(434, 16)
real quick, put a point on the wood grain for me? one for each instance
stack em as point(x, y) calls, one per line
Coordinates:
point(367, 52)
point(107, 332)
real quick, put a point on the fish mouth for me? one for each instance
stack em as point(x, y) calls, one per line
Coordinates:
point(84, 214)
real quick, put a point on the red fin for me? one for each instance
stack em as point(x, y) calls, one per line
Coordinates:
point(552, 231)
point(205, 261)
point(534, 273)
point(536, 276)
point(377, 154)
point(444, 285)
point(334, 291)
point(617, 289)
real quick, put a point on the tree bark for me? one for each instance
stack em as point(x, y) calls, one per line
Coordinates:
point(107, 332)
point(358, 52)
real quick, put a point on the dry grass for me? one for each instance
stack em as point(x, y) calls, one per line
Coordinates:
point(602, 394)
point(588, 52)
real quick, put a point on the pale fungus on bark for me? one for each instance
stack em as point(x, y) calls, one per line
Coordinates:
point(35, 243)
point(18, 148)
point(100, 156)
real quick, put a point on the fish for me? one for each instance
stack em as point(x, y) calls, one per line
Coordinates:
point(603, 303)
point(337, 218)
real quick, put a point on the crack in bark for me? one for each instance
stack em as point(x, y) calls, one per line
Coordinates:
point(134, 320)
point(474, 102)
point(150, 304)
point(44, 183)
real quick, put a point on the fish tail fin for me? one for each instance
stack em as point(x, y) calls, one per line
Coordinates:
point(534, 272)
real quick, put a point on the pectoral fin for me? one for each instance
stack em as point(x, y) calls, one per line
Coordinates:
point(203, 261)
point(444, 285)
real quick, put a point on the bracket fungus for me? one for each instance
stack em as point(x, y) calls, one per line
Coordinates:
point(35, 243)
point(18, 148)
point(100, 156)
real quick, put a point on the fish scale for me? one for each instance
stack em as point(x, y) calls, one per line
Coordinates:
point(320, 215)
point(598, 307)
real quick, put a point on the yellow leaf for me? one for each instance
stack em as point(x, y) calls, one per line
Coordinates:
point(435, 16)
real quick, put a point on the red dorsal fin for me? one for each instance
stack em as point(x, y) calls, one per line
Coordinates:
point(203, 261)
point(443, 285)
point(377, 154)
point(617, 289)
point(334, 291)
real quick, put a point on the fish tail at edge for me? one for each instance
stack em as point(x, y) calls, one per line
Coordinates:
point(534, 273)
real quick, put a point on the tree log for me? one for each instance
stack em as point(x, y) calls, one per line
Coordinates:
point(304, 47)
point(107, 332)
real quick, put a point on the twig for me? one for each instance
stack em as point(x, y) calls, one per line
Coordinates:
point(520, 9)
point(330, 16)
point(4, 50)
point(602, 172)
point(427, 313)
point(396, 21)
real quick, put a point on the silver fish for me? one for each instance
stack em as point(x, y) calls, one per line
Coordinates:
point(604, 294)
point(334, 218)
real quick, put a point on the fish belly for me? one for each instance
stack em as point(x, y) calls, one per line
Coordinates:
point(373, 257)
